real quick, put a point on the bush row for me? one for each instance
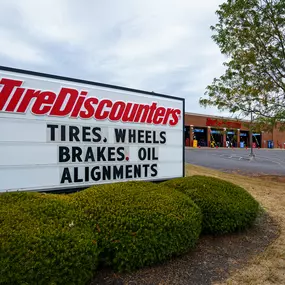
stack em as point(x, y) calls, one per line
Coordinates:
point(61, 239)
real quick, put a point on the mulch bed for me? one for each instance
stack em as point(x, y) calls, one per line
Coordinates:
point(212, 260)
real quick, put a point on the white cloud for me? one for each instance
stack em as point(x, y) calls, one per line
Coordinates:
point(162, 46)
point(20, 50)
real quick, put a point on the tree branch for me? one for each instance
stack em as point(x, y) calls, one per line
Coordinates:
point(276, 28)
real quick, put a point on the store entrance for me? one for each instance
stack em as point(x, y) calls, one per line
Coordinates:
point(256, 139)
point(187, 135)
point(231, 139)
point(244, 139)
point(216, 138)
point(200, 134)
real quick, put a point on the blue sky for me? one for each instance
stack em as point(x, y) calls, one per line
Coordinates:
point(162, 46)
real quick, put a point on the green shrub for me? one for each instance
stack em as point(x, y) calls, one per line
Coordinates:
point(139, 223)
point(43, 240)
point(226, 207)
point(61, 239)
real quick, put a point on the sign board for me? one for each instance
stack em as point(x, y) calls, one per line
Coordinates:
point(62, 133)
point(199, 130)
point(215, 132)
point(222, 123)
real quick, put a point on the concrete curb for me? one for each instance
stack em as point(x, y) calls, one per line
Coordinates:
point(235, 148)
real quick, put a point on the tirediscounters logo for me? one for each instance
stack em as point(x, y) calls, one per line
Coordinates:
point(75, 104)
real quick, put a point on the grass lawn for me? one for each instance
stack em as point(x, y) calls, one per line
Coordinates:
point(269, 266)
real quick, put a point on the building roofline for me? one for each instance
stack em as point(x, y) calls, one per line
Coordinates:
point(215, 116)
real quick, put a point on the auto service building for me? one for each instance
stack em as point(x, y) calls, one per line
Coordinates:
point(206, 131)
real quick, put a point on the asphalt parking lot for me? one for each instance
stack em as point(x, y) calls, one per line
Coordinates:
point(266, 161)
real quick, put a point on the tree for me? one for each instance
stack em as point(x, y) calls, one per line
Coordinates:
point(251, 33)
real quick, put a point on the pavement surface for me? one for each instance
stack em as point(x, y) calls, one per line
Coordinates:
point(266, 161)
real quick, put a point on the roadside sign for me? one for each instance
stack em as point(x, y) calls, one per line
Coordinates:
point(62, 133)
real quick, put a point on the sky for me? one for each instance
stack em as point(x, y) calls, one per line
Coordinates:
point(163, 46)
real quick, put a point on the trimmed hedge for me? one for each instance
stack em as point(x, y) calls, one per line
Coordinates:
point(226, 207)
point(43, 240)
point(62, 239)
point(139, 223)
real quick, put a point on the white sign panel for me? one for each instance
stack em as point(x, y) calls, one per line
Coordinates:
point(61, 133)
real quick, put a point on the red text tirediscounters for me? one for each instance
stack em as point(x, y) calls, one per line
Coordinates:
point(75, 104)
